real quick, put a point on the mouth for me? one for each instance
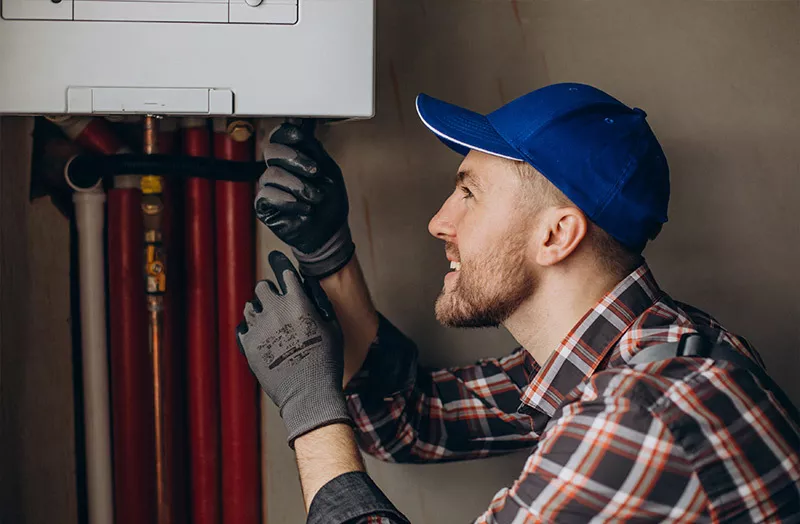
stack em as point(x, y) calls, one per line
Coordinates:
point(453, 274)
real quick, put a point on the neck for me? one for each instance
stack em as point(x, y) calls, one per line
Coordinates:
point(542, 322)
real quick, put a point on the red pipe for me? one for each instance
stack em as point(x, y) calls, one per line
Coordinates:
point(201, 336)
point(97, 136)
point(235, 282)
point(132, 416)
point(92, 133)
point(173, 349)
point(168, 135)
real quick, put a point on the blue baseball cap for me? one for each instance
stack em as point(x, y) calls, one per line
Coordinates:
point(599, 152)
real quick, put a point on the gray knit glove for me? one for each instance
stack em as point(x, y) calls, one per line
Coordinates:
point(294, 348)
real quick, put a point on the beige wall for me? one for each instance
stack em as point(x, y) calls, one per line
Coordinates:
point(720, 81)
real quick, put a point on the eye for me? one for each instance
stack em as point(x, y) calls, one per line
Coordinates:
point(467, 193)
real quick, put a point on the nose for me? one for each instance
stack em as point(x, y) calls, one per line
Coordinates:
point(442, 224)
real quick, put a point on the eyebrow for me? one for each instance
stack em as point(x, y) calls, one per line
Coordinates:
point(466, 176)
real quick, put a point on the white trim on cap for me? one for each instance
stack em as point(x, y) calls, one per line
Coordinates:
point(451, 139)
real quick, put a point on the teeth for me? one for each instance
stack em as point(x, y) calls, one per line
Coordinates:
point(455, 265)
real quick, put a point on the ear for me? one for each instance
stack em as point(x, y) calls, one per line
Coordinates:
point(561, 230)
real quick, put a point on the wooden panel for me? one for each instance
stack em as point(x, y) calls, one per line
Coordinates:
point(38, 431)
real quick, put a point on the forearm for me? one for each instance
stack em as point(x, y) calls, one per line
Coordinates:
point(323, 455)
point(406, 413)
point(348, 293)
point(336, 489)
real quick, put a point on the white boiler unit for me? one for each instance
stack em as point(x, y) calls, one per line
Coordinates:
point(300, 58)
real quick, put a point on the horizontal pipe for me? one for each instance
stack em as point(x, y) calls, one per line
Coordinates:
point(84, 170)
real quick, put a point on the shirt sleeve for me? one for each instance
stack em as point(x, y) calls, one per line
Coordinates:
point(607, 459)
point(353, 498)
point(408, 413)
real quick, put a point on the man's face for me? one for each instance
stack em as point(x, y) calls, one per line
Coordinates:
point(485, 229)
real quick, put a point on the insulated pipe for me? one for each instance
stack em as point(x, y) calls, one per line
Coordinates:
point(201, 335)
point(131, 394)
point(89, 218)
point(168, 135)
point(131, 419)
point(263, 241)
point(92, 133)
point(173, 342)
point(235, 282)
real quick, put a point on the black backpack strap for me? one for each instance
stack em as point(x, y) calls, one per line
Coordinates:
point(698, 346)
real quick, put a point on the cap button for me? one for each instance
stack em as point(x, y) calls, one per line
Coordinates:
point(640, 112)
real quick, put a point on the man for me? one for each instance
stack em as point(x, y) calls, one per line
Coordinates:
point(559, 193)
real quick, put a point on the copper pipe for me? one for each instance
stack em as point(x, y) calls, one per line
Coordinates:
point(155, 274)
point(155, 308)
point(150, 135)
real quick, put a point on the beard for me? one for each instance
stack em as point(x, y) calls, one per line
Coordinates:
point(489, 288)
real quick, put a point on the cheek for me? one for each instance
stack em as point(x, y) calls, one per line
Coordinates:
point(489, 237)
point(474, 245)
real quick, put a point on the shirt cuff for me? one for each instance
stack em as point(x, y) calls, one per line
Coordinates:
point(390, 366)
point(351, 496)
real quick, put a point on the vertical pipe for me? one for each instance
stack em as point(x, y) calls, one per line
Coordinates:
point(235, 281)
point(89, 218)
point(96, 135)
point(173, 319)
point(134, 496)
point(174, 347)
point(264, 239)
point(201, 334)
point(156, 285)
point(168, 135)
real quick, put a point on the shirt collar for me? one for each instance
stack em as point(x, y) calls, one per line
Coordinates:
point(586, 345)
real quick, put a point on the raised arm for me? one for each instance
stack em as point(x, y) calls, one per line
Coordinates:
point(403, 412)
point(303, 200)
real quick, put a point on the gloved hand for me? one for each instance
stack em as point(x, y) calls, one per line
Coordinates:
point(303, 200)
point(295, 351)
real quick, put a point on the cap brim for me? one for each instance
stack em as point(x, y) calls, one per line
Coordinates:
point(463, 130)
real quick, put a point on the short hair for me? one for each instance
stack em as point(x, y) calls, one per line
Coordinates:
point(612, 255)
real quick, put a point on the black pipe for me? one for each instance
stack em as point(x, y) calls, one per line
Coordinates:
point(86, 170)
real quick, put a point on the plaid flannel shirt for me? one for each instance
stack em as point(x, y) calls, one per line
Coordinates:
point(681, 440)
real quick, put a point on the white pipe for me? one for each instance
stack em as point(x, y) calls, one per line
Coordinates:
point(89, 215)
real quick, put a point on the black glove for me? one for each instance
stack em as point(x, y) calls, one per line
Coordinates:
point(303, 200)
point(295, 351)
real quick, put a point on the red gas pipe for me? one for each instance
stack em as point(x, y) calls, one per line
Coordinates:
point(235, 282)
point(201, 335)
point(134, 457)
point(174, 348)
